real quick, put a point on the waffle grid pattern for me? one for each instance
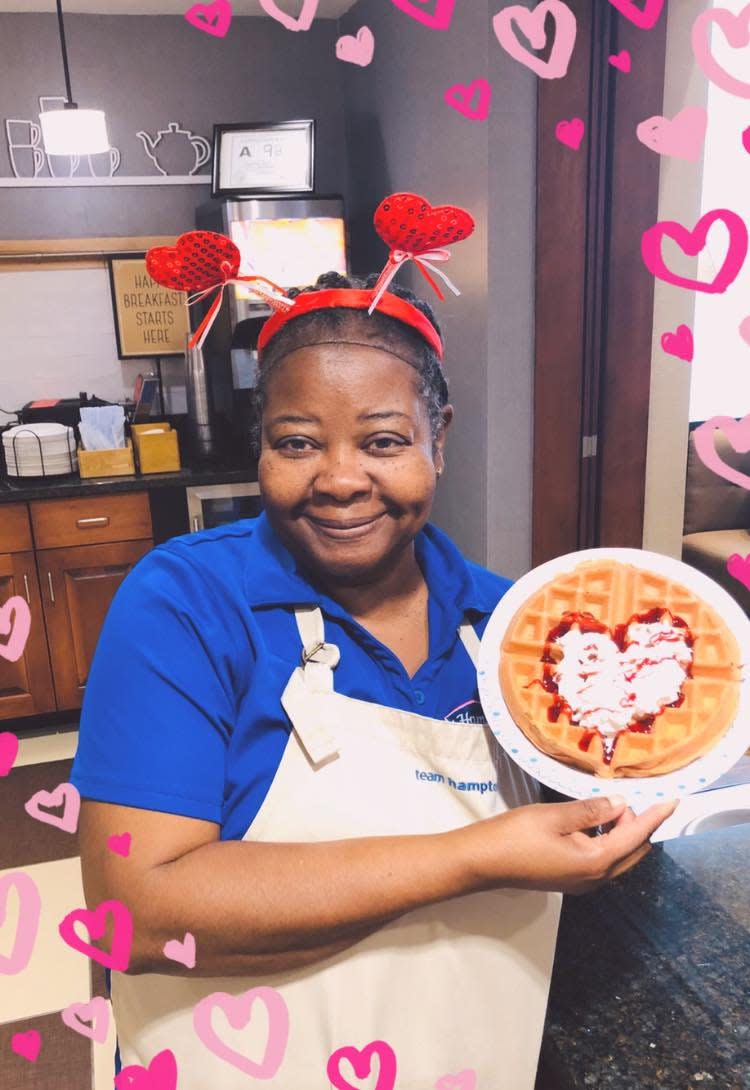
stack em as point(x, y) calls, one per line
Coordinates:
point(612, 592)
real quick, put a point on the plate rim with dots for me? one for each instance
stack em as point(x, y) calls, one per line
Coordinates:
point(576, 783)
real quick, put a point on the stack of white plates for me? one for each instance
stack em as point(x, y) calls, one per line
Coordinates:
point(40, 450)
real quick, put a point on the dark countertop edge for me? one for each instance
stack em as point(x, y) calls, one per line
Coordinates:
point(60, 488)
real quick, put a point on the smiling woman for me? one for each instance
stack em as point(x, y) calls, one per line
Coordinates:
point(329, 435)
point(301, 796)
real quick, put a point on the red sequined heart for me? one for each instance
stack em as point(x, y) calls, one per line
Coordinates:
point(407, 222)
point(200, 260)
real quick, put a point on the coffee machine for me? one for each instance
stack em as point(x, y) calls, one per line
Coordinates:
point(289, 241)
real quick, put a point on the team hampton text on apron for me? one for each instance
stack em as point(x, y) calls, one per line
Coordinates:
point(460, 984)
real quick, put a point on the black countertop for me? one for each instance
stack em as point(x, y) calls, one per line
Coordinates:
point(14, 490)
point(651, 983)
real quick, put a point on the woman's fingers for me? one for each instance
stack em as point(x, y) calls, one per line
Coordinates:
point(630, 861)
point(628, 836)
point(589, 813)
point(626, 816)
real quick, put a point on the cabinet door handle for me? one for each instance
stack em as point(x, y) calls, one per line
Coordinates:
point(196, 524)
point(51, 588)
point(101, 520)
point(26, 584)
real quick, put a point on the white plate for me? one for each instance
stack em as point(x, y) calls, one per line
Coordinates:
point(574, 782)
point(43, 429)
point(27, 464)
point(55, 456)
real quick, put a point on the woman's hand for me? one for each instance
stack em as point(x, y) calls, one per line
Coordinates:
point(546, 847)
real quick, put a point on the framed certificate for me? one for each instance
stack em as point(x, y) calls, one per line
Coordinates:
point(263, 159)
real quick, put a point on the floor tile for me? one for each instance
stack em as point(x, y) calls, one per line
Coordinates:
point(60, 746)
point(32, 841)
point(56, 975)
point(64, 1061)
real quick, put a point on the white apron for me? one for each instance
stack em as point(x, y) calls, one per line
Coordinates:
point(454, 986)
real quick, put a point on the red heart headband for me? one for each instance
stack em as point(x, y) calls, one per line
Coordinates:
point(415, 231)
point(204, 262)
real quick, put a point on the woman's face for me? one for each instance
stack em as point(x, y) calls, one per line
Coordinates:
point(347, 464)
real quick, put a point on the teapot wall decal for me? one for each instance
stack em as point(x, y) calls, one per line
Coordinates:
point(175, 150)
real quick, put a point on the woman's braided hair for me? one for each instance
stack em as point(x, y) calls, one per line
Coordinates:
point(385, 332)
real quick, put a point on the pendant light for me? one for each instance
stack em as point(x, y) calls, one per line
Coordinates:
point(71, 131)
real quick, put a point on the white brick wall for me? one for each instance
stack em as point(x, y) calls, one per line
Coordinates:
point(57, 337)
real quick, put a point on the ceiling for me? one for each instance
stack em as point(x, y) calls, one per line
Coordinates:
point(327, 9)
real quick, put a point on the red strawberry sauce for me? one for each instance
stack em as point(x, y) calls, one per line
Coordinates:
point(588, 623)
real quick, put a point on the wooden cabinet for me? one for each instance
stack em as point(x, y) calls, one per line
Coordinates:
point(78, 585)
point(67, 558)
point(25, 685)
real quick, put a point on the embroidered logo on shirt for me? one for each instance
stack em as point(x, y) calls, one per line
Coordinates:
point(468, 712)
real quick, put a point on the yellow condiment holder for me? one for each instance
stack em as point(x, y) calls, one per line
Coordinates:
point(106, 463)
point(157, 447)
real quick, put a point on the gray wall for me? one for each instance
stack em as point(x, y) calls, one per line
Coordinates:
point(402, 135)
point(381, 128)
point(511, 195)
point(144, 72)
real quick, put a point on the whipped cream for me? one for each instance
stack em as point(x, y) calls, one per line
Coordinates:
point(608, 689)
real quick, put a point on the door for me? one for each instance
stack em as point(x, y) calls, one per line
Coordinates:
point(25, 685)
point(594, 295)
point(78, 584)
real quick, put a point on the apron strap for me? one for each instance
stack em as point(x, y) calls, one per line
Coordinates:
point(470, 641)
point(318, 657)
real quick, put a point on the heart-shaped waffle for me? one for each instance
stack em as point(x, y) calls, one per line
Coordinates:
point(408, 222)
point(697, 705)
point(200, 260)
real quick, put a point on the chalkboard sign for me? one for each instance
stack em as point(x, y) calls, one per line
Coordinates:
point(150, 320)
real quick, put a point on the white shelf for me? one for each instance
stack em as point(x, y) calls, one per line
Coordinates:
point(67, 183)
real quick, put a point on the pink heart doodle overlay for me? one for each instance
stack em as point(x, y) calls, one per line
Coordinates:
point(237, 1010)
point(570, 133)
point(303, 21)
point(739, 568)
point(644, 17)
point(531, 25)
point(736, 30)
point(95, 922)
point(29, 911)
point(8, 751)
point(692, 242)
point(120, 844)
point(184, 951)
point(679, 343)
point(65, 794)
point(215, 18)
point(361, 1061)
point(681, 137)
point(95, 1011)
point(745, 329)
point(17, 630)
point(27, 1044)
point(746, 139)
point(738, 434)
point(357, 49)
point(161, 1074)
point(472, 100)
point(464, 1080)
point(621, 60)
point(439, 19)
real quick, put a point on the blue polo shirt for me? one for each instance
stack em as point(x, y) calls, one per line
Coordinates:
point(182, 711)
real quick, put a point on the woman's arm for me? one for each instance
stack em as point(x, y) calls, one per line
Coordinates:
point(260, 908)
